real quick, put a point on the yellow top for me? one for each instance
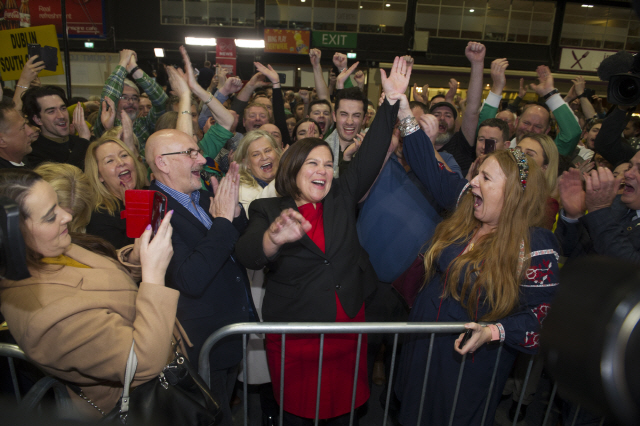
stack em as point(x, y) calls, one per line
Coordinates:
point(64, 260)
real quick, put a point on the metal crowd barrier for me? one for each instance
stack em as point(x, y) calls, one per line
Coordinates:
point(11, 351)
point(394, 328)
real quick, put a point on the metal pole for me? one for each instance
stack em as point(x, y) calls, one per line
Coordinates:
point(65, 43)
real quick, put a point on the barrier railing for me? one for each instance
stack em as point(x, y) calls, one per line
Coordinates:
point(11, 351)
point(395, 328)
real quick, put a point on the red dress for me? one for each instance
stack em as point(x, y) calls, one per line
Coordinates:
point(302, 354)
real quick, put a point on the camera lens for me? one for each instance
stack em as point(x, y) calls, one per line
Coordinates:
point(624, 89)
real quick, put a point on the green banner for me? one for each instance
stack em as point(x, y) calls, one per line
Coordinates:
point(337, 40)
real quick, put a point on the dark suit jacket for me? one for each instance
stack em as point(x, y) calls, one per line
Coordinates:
point(605, 232)
point(214, 288)
point(302, 281)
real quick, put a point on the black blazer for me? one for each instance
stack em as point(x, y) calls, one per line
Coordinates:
point(214, 288)
point(301, 280)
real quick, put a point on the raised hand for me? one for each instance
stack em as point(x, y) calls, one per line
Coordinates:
point(290, 226)
point(190, 75)
point(359, 79)
point(231, 85)
point(522, 91)
point(340, 61)
point(268, 72)
point(156, 255)
point(178, 81)
point(342, 77)
point(451, 93)
point(498, 77)
point(398, 81)
point(225, 204)
point(125, 57)
point(602, 188)
point(222, 72)
point(314, 57)
point(354, 147)
point(79, 125)
point(572, 196)
point(545, 81)
point(304, 94)
point(30, 71)
point(416, 96)
point(108, 113)
point(127, 133)
point(579, 85)
point(475, 52)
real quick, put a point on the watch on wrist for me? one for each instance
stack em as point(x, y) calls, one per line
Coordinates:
point(550, 94)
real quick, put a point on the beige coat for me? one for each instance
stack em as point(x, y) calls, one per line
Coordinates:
point(78, 324)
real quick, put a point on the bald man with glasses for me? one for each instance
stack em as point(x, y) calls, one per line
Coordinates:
point(214, 288)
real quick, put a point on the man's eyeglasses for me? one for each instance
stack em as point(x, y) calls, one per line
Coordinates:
point(130, 98)
point(193, 153)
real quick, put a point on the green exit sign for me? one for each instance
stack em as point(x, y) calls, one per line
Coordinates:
point(337, 40)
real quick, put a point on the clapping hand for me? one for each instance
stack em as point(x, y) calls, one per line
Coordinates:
point(572, 195)
point(429, 124)
point(290, 226)
point(225, 203)
point(602, 188)
point(545, 81)
point(79, 125)
point(108, 113)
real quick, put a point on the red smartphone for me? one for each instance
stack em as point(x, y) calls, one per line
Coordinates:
point(489, 145)
point(143, 207)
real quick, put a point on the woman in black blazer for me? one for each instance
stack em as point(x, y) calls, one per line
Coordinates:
point(317, 270)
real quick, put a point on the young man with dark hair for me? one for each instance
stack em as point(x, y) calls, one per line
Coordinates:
point(320, 111)
point(351, 107)
point(15, 136)
point(46, 107)
point(492, 129)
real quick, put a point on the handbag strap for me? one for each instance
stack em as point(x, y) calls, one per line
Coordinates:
point(130, 371)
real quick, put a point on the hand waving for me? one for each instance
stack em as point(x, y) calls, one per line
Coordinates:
point(398, 81)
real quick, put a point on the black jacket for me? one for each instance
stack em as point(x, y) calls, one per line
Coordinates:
point(71, 152)
point(214, 287)
point(301, 281)
point(608, 232)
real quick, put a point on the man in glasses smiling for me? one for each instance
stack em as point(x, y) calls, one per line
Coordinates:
point(214, 287)
point(126, 97)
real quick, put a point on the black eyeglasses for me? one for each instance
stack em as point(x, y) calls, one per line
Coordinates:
point(193, 153)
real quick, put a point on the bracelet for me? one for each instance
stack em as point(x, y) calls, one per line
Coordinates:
point(210, 98)
point(186, 112)
point(134, 69)
point(550, 94)
point(343, 69)
point(408, 125)
point(23, 87)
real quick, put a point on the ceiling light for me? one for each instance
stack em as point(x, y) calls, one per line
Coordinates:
point(388, 5)
point(197, 41)
point(352, 55)
point(360, 7)
point(472, 10)
point(587, 5)
point(159, 52)
point(256, 44)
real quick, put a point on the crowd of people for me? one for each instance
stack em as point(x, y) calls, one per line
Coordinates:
point(308, 206)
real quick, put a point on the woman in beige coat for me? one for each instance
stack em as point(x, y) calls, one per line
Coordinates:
point(78, 314)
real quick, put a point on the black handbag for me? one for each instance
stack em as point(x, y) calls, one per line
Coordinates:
point(177, 396)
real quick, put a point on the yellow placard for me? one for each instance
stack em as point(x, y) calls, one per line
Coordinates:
point(14, 54)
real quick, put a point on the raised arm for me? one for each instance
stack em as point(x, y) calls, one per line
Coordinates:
point(180, 87)
point(27, 76)
point(475, 52)
point(318, 78)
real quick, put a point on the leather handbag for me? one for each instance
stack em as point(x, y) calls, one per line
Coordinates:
point(177, 396)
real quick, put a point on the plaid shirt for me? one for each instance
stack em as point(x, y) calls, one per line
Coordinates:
point(142, 126)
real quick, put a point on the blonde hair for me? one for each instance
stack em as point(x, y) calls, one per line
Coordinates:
point(495, 260)
point(242, 154)
point(551, 157)
point(73, 189)
point(104, 199)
